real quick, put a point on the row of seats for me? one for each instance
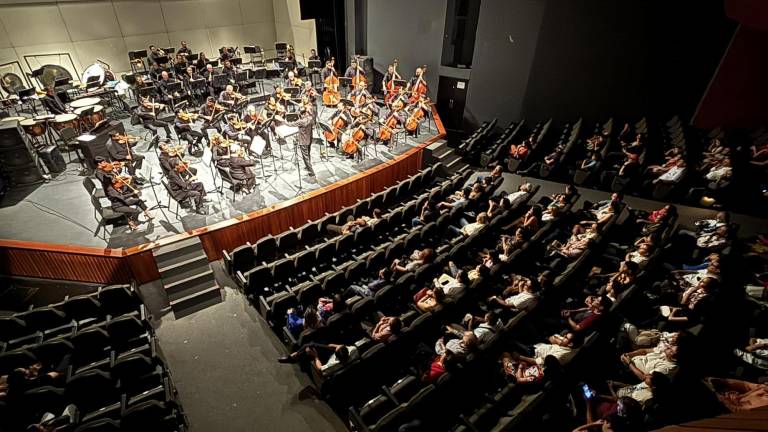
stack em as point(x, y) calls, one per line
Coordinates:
point(269, 248)
point(96, 352)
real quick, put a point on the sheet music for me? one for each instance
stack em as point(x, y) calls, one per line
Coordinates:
point(284, 131)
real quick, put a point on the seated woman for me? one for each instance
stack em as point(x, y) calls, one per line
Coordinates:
point(692, 304)
point(520, 151)
point(297, 324)
point(325, 358)
point(521, 370)
point(484, 327)
point(591, 164)
point(561, 347)
point(429, 300)
point(738, 395)
point(520, 195)
point(417, 259)
point(456, 199)
point(460, 347)
point(327, 307)
point(530, 222)
point(388, 328)
point(439, 365)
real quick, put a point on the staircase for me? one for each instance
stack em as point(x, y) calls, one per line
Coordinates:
point(439, 151)
point(188, 279)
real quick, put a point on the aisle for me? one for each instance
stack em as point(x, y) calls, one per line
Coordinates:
point(223, 362)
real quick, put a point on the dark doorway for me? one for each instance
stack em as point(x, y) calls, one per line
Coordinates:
point(451, 98)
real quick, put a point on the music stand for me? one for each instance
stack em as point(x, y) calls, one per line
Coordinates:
point(325, 128)
point(92, 83)
point(314, 64)
point(345, 83)
point(169, 50)
point(260, 99)
point(147, 91)
point(259, 74)
point(220, 80)
point(293, 91)
point(283, 65)
point(214, 63)
point(348, 103)
point(193, 57)
point(237, 61)
point(241, 76)
point(58, 82)
point(135, 55)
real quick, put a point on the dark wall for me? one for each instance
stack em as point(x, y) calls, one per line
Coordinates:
point(625, 58)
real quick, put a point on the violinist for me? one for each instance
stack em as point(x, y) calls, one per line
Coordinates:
point(313, 55)
point(183, 125)
point(309, 91)
point(155, 71)
point(209, 73)
point(156, 54)
point(180, 65)
point(235, 130)
point(305, 123)
point(292, 80)
point(120, 149)
point(229, 98)
point(257, 126)
point(147, 112)
point(201, 62)
point(164, 157)
point(211, 113)
point(183, 183)
point(190, 76)
point(229, 70)
point(226, 53)
point(220, 149)
point(240, 168)
point(121, 194)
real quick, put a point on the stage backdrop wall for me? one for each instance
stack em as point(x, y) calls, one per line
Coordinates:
point(109, 29)
point(566, 58)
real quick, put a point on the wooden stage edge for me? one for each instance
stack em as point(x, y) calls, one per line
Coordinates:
point(109, 266)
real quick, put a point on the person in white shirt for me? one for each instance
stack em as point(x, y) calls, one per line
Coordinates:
point(484, 328)
point(643, 362)
point(470, 228)
point(460, 347)
point(517, 197)
point(525, 298)
point(341, 355)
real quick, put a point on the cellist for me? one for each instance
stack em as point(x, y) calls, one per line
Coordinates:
point(340, 119)
point(395, 118)
point(360, 95)
point(417, 86)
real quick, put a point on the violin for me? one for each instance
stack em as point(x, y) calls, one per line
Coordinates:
point(152, 105)
point(125, 138)
point(120, 181)
point(187, 116)
point(273, 106)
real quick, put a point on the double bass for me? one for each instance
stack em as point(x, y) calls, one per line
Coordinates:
point(390, 87)
point(358, 79)
point(331, 95)
point(419, 89)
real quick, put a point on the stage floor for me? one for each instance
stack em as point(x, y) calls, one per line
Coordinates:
point(60, 210)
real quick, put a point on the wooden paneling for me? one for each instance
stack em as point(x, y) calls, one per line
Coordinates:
point(96, 265)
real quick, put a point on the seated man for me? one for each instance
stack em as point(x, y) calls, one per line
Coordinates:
point(455, 200)
point(388, 328)
point(738, 395)
point(428, 214)
point(708, 226)
point(454, 284)
point(429, 300)
point(458, 346)
point(417, 259)
point(351, 226)
point(384, 277)
point(467, 229)
point(643, 362)
point(519, 196)
point(484, 327)
point(561, 347)
point(521, 295)
point(336, 357)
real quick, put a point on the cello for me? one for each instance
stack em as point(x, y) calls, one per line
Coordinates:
point(387, 129)
point(352, 145)
point(419, 88)
point(415, 118)
point(331, 94)
point(337, 124)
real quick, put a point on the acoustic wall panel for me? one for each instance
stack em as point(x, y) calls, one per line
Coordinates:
point(5, 41)
point(140, 42)
point(197, 40)
point(33, 24)
point(225, 36)
point(139, 17)
point(260, 34)
point(110, 51)
point(257, 12)
point(183, 15)
point(221, 13)
point(90, 20)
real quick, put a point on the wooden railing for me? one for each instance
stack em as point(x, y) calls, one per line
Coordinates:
point(97, 265)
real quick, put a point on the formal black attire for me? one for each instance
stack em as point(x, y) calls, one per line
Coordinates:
point(304, 140)
point(327, 72)
point(119, 152)
point(184, 50)
point(207, 111)
point(220, 156)
point(53, 104)
point(125, 201)
point(233, 133)
point(150, 121)
point(208, 75)
point(259, 130)
point(192, 137)
point(240, 169)
point(182, 188)
point(227, 100)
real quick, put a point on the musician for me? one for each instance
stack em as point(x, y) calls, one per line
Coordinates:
point(221, 150)
point(165, 157)
point(155, 71)
point(155, 54)
point(183, 124)
point(258, 127)
point(229, 71)
point(415, 79)
point(211, 112)
point(235, 131)
point(401, 97)
point(52, 103)
point(360, 95)
point(313, 55)
point(120, 149)
point(202, 60)
point(228, 97)
point(162, 84)
point(390, 76)
point(125, 200)
point(328, 70)
point(292, 80)
point(189, 76)
point(342, 111)
point(147, 112)
point(183, 183)
point(309, 91)
point(305, 123)
point(226, 53)
point(180, 66)
point(353, 69)
point(184, 50)
point(240, 168)
point(209, 73)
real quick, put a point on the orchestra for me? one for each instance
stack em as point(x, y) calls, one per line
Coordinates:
point(242, 132)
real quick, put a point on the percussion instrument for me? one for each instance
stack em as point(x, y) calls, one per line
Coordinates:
point(85, 102)
point(62, 121)
point(45, 117)
point(34, 127)
point(98, 114)
point(94, 72)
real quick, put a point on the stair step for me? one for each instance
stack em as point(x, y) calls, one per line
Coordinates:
point(197, 301)
point(442, 153)
point(189, 284)
point(451, 160)
point(184, 269)
point(170, 254)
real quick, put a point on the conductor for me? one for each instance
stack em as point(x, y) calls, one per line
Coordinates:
point(305, 123)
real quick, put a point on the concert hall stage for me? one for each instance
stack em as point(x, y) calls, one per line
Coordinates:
point(55, 222)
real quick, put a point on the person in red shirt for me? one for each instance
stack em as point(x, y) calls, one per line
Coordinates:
point(439, 366)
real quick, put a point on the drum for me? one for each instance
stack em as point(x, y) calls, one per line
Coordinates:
point(33, 127)
point(13, 119)
point(98, 114)
point(94, 73)
point(45, 117)
point(85, 102)
point(62, 121)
